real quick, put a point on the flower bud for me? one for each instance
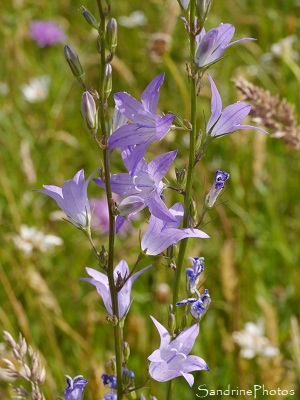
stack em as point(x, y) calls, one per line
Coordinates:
point(111, 35)
point(74, 63)
point(126, 351)
point(88, 16)
point(107, 80)
point(180, 175)
point(202, 8)
point(103, 258)
point(131, 204)
point(184, 4)
point(171, 323)
point(211, 197)
point(171, 251)
point(89, 111)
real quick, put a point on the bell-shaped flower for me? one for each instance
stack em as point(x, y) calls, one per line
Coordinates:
point(75, 388)
point(172, 359)
point(212, 44)
point(160, 235)
point(222, 122)
point(100, 281)
point(144, 188)
point(72, 199)
point(146, 126)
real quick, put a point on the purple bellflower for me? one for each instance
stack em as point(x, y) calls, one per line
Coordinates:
point(72, 199)
point(172, 359)
point(100, 281)
point(46, 33)
point(146, 125)
point(222, 122)
point(144, 188)
point(75, 388)
point(160, 235)
point(211, 44)
point(220, 178)
point(194, 273)
point(199, 306)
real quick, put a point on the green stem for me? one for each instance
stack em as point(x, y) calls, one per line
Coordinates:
point(110, 203)
point(190, 170)
point(190, 173)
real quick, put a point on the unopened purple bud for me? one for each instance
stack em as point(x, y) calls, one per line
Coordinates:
point(220, 178)
point(112, 35)
point(89, 111)
point(206, 47)
point(74, 63)
point(88, 16)
point(127, 375)
point(107, 80)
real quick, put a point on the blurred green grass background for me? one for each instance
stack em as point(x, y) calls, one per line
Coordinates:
point(252, 258)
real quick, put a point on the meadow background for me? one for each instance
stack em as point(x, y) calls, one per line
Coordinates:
point(252, 258)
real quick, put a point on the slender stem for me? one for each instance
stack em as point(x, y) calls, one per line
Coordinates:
point(110, 203)
point(190, 170)
point(192, 150)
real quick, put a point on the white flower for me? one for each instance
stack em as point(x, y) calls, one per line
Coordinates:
point(136, 18)
point(31, 238)
point(253, 342)
point(4, 89)
point(37, 89)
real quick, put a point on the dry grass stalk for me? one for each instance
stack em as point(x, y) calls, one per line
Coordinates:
point(29, 369)
point(270, 111)
point(295, 335)
point(229, 277)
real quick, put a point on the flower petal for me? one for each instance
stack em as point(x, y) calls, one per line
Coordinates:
point(159, 166)
point(184, 342)
point(121, 184)
point(150, 95)
point(158, 208)
point(163, 124)
point(133, 110)
point(163, 333)
point(230, 117)
point(216, 104)
point(131, 134)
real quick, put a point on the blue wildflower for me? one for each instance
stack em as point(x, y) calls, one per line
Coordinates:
point(75, 388)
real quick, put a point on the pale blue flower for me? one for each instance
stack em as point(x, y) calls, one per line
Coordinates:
point(160, 235)
point(212, 44)
point(223, 122)
point(100, 281)
point(172, 359)
point(144, 188)
point(146, 125)
point(72, 199)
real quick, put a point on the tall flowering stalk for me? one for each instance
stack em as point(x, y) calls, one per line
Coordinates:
point(135, 126)
point(108, 36)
